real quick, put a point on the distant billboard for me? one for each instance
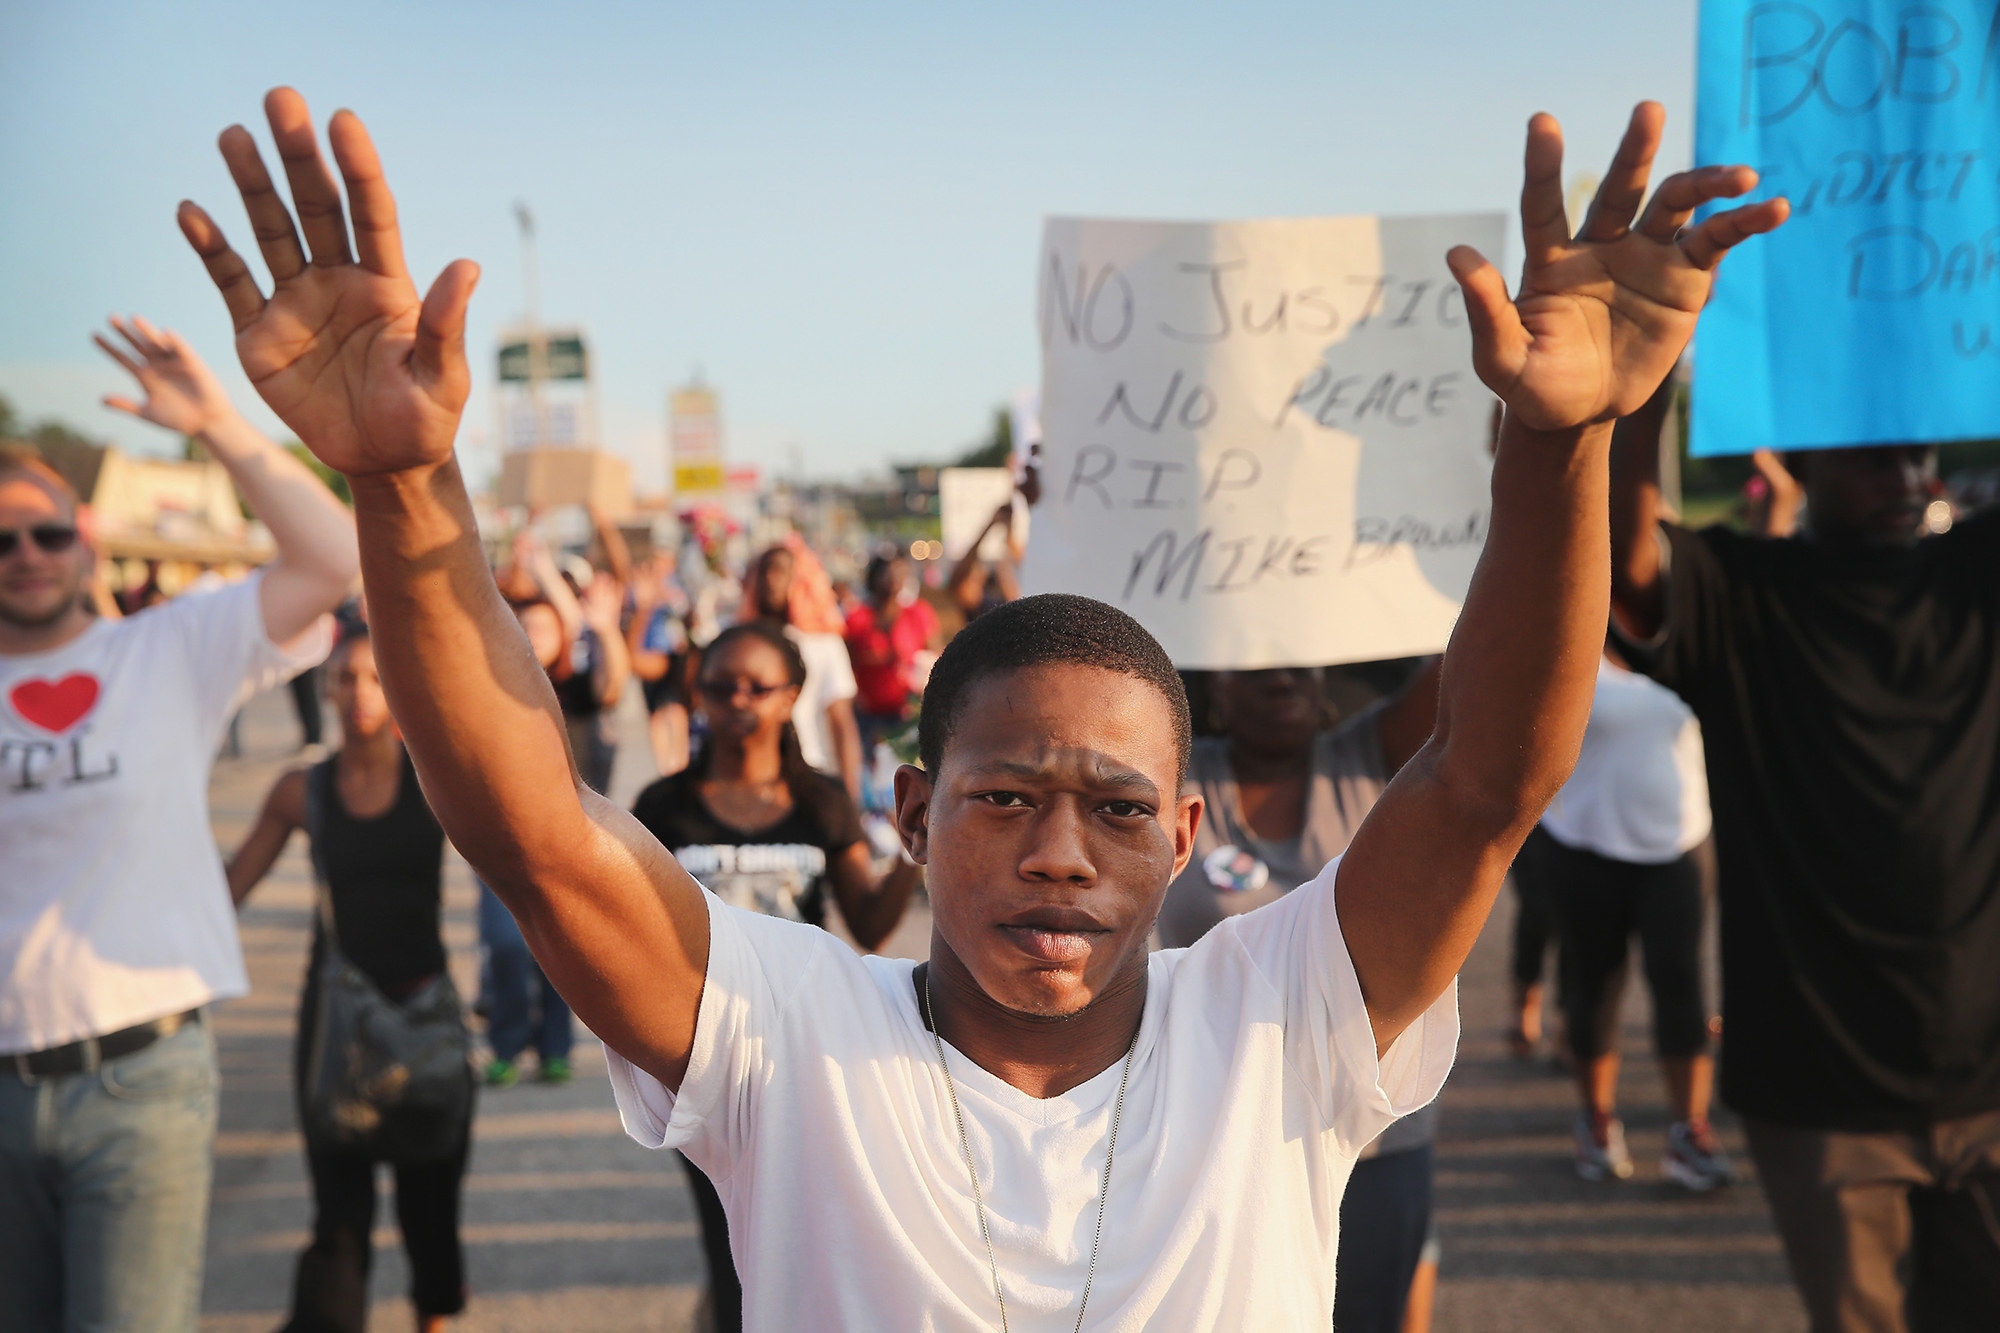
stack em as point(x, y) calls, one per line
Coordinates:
point(565, 359)
point(695, 432)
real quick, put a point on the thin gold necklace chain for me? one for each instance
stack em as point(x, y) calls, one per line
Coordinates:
point(979, 1203)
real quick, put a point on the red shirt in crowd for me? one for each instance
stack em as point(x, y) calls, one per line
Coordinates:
point(882, 657)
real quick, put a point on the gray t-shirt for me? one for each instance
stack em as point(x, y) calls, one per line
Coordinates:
point(1223, 879)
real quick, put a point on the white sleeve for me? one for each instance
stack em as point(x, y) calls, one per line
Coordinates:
point(837, 682)
point(1329, 1042)
point(219, 633)
point(756, 965)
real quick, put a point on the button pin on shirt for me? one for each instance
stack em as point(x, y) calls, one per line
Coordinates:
point(1230, 869)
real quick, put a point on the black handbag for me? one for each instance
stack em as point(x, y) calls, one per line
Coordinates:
point(385, 1080)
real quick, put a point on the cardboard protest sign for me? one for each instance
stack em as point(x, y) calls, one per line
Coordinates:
point(968, 497)
point(1263, 440)
point(1874, 315)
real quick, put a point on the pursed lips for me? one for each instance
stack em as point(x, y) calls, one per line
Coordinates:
point(1054, 934)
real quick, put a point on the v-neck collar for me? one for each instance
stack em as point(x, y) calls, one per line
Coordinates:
point(1086, 1098)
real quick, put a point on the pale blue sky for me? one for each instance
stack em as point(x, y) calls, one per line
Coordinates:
point(833, 209)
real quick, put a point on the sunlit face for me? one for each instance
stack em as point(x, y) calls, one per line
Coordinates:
point(356, 688)
point(544, 630)
point(1872, 496)
point(745, 689)
point(1051, 831)
point(39, 585)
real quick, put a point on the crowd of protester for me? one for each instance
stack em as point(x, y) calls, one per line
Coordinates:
point(1800, 723)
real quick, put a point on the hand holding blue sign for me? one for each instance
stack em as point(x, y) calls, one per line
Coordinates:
point(1602, 316)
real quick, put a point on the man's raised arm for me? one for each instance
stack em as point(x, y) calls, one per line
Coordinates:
point(374, 380)
point(1598, 322)
point(316, 562)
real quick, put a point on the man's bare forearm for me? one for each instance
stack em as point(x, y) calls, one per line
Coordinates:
point(1516, 686)
point(1514, 696)
point(474, 706)
point(313, 533)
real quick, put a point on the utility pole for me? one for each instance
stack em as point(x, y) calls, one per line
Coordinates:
point(538, 343)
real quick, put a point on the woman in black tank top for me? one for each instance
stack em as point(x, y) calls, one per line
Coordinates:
point(379, 853)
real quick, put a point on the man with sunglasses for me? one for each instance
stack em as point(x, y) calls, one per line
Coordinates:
point(115, 922)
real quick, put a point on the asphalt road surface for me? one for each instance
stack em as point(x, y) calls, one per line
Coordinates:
point(572, 1228)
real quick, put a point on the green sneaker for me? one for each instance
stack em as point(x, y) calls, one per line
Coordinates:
point(502, 1074)
point(555, 1069)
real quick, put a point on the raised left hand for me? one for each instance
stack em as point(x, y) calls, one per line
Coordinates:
point(1602, 316)
point(181, 392)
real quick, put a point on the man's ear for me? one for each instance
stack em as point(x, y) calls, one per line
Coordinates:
point(913, 811)
point(1187, 822)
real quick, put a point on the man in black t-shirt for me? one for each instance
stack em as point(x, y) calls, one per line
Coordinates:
point(1849, 697)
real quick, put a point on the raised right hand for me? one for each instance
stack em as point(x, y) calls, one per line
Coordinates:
point(1601, 316)
point(372, 379)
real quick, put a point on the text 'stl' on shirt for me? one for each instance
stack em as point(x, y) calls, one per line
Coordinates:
point(113, 907)
point(1849, 700)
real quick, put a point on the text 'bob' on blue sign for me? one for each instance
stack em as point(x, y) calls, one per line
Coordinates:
point(1873, 316)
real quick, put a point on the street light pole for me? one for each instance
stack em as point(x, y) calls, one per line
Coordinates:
point(538, 344)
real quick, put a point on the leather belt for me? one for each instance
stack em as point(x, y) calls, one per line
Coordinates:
point(83, 1056)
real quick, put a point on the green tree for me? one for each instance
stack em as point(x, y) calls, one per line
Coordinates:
point(998, 447)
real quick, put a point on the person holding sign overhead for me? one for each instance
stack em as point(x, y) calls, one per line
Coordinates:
point(1045, 1125)
point(1847, 682)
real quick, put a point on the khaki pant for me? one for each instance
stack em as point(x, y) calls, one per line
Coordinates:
point(1889, 1233)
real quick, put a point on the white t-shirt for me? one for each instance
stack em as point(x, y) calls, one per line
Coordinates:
point(829, 679)
point(1640, 790)
point(813, 1100)
point(113, 906)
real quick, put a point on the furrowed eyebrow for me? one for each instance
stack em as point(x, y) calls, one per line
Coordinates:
point(1116, 779)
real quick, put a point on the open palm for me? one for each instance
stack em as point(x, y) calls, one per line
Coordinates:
point(180, 392)
point(371, 378)
point(1602, 316)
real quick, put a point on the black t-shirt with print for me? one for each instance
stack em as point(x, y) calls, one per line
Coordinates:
point(779, 870)
point(1850, 705)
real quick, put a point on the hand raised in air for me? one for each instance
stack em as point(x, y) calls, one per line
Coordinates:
point(371, 378)
point(1602, 316)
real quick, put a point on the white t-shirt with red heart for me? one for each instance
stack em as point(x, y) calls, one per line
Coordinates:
point(113, 906)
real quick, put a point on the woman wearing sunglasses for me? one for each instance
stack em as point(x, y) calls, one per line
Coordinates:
point(763, 829)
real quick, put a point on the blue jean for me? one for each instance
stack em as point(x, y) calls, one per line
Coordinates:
point(515, 987)
point(104, 1180)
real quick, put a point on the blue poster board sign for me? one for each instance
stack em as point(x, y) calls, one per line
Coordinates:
point(1873, 316)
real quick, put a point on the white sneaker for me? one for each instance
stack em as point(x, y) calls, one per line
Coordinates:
point(1610, 1162)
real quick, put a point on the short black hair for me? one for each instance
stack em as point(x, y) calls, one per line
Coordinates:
point(1051, 629)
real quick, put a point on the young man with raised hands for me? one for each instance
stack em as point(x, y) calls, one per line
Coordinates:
point(1043, 1123)
point(115, 923)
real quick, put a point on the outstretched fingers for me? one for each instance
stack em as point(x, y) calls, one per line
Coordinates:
point(105, 345)
point(1706, 244)
point(439, 354)
point(1499, 340)
point(1544, 224)
point(225, 267)
point(314, 194)
point(270, 220)
point(376, 237)
point(141, 335)
point(1624, 187)
point(1683, 192)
